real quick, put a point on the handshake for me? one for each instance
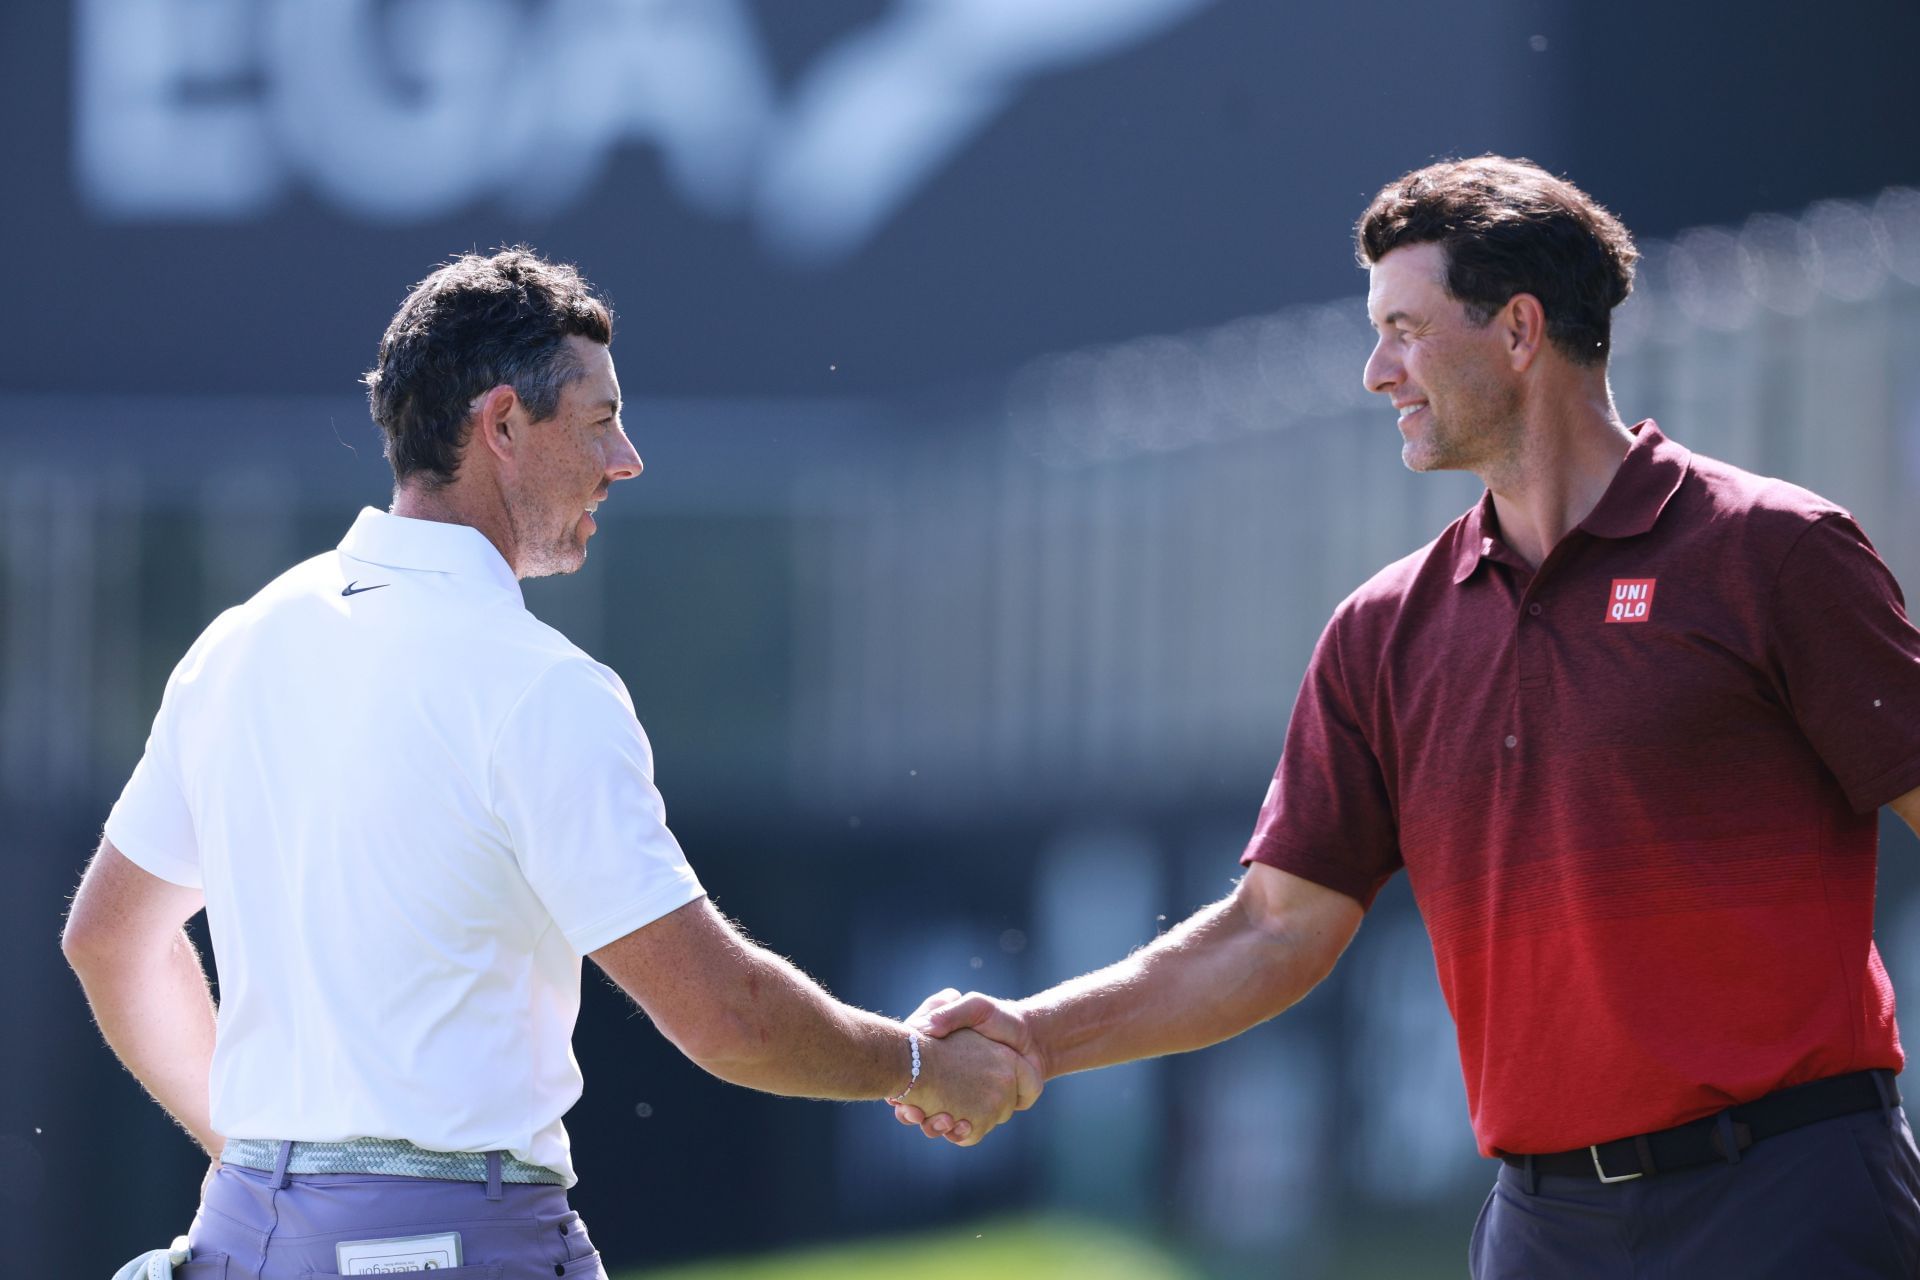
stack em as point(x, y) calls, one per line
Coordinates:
point(982, 1065)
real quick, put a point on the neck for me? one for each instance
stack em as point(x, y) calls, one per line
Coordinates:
point(1569, 449)
point(459, 503)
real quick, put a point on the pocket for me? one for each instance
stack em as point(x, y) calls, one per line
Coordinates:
point(577, 1245)
point(1879, 1149)
point(586, 1268)
point(205, 1266)
point(1476, 1241)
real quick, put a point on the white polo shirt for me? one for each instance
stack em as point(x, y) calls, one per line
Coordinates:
point(413, 807)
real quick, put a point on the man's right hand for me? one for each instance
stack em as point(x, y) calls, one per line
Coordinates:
point(1227, 967)
point(972, 1081)
point(946, 1016)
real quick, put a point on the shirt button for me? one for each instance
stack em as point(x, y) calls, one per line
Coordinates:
point(1512, 741)
point(1534, 609)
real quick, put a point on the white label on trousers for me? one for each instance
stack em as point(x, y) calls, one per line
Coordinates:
point(390, 1257)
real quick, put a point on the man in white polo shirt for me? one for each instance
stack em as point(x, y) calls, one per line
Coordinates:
point(409, 809)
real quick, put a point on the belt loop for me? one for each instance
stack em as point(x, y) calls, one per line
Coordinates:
point(1725, 1138)
point(280, 1165)
point(493, 1175)
point(1531, 1175)
point(1643, 1152)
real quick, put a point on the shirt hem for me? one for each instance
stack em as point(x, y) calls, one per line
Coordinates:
point(1887, 787)
point(1321, 872)
point(173, 871)
point(637, 915)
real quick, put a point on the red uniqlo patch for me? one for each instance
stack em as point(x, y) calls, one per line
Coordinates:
point(1631, 600)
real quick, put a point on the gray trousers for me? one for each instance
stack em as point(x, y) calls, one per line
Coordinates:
point(1836, 1200)
point(253, 1225)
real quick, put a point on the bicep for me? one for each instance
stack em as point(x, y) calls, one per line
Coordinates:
point(120, 904)
point(1313, 921)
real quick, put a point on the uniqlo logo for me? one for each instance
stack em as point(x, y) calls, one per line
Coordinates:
point(1631, 600)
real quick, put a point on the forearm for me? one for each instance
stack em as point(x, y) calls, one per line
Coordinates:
point(781, 1032)
point(1218, 973)
point(750, 1017)
point(156, 1011)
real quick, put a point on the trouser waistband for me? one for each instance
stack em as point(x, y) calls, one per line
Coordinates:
point(388, 1156)
point(1719, 1137)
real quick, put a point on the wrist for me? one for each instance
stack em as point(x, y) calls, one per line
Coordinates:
point(1034, 1021)
point(916, 1061)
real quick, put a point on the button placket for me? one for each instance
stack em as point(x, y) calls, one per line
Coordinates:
point(1530, 656)
point(1530, 645)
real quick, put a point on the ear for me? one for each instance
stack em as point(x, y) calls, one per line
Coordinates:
point(499, 423)
point(1523, 324)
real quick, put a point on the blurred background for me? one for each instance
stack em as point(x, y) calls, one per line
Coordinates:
point(996, 364)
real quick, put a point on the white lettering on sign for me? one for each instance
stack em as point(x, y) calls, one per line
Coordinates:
point(1630, 600)
point(408, 110)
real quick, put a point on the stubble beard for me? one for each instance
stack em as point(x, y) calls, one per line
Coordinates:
point(545, 555)
point(1490, 442)
point(1452, 451)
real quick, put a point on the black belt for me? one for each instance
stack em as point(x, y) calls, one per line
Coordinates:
point(1705, 1141)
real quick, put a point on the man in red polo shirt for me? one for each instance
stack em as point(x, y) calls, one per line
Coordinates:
point(1628, 725)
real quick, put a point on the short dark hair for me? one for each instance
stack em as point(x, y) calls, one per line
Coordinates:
point(474, 324)
point(1510, 227)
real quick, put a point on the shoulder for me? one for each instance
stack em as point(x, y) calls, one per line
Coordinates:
point(551, 662)
point(1378, 603)
point(577, 696)
point(571, 717)
point(1764, 511)
point(265, 605)
point(574, 673)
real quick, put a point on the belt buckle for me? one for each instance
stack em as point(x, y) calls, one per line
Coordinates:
point(1600, 1169)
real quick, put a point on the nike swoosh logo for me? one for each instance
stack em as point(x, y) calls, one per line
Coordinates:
point(353, 588)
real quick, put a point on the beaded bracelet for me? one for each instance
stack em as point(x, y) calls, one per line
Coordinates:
point(913, 1039)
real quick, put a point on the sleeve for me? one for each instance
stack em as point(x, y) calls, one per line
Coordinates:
point(572, 781)
point(1848, 661)
point(1327, 816)
point(152, 823)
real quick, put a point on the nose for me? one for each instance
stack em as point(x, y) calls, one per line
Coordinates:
point(625, 463)
point(1382, 372)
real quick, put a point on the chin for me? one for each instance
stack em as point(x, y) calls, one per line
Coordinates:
point(1427, 453)
point(1419, 457)
point(556, 561)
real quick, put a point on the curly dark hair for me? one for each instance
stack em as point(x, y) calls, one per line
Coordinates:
point(474, 324)
point(1510, 227)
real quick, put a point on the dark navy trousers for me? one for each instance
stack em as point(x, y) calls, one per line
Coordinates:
point(1835, 1200)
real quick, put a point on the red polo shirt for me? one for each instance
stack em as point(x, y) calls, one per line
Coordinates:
point(1635, 792)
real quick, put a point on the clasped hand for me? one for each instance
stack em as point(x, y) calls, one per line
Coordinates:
point(983, 1067)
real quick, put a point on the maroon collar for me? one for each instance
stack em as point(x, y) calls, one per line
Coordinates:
point(1649, 475)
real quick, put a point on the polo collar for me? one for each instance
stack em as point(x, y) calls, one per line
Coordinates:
point(428, 546)
point(1474, 543)
point(1648, 477)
